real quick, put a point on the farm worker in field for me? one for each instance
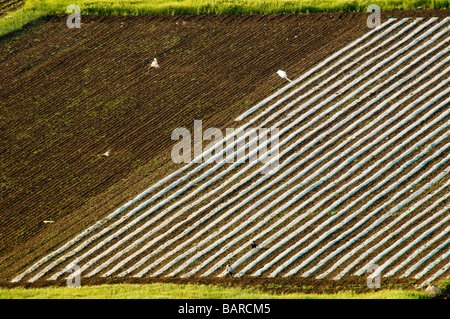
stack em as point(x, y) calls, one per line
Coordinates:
point(254, 244)
point(229, 271)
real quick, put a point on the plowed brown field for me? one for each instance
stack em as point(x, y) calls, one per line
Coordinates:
point(8, 6)
point(69, 95)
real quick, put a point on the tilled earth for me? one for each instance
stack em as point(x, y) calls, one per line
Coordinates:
point(8, 6)
point(69, 95)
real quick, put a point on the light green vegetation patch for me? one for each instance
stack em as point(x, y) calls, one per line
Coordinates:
point(174, 291)
point(226, 6)
point(33, 9)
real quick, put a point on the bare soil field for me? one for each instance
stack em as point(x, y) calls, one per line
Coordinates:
point(69, 95)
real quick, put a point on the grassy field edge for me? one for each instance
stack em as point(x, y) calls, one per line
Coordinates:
point(18, 19)
point(189, 291)
point(34, 9)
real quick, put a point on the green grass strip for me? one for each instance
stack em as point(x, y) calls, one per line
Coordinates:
point(16, 20)
point(174, 291)
point(33, 9)
point(226, 6)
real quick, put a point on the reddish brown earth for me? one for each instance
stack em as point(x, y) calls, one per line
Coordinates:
point(69, 95)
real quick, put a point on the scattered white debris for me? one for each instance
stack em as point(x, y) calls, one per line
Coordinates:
point(107, 153)
point(48, 221)
point(283, 75)
point(154, 64)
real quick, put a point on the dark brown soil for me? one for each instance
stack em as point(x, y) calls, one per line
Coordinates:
point(69, 95)
point(8, 6)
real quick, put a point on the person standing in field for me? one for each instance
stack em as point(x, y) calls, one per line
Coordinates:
point(254, 245)
point(230, 271)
